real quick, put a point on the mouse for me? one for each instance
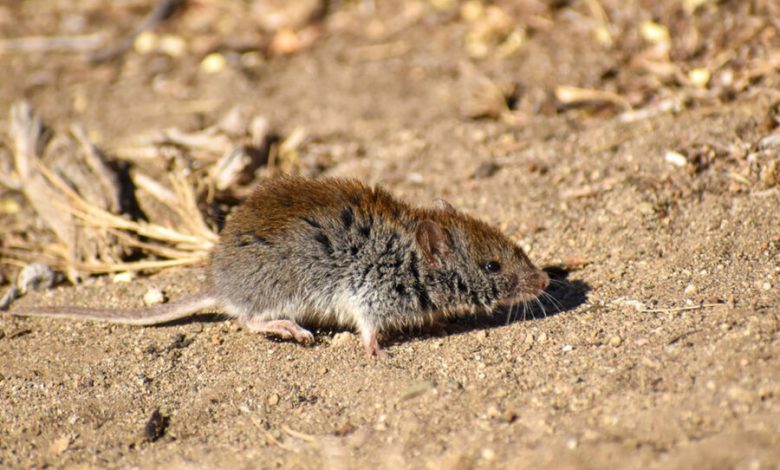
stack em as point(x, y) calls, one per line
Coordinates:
point(301, 253)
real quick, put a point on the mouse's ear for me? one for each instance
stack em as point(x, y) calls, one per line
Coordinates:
point(442, 205)
point(434, 241)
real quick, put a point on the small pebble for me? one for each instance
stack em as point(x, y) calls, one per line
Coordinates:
point(174, 46)
point(567, 348)
point(59, 445)
point(700, 76)
point(9, 206)
point(154, 296)
point(493, 412)
point(213, 63)
point(155, 426)
point(273, 400)
point(646, 208)
point(615, 341)
point(766, 286)
point(509, 416)
point(675, 158)
point(415, 178)
point(341, 339)
point(35, 276)
point(690, 289)
point(123, 277)
point(654, 33)
point(145, 42)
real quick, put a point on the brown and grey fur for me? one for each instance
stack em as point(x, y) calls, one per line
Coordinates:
point(335, 252)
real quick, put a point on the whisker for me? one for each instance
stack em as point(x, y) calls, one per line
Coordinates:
point(539, 302)
point(555, 303)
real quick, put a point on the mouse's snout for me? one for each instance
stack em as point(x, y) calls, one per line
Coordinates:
point(527, 286)
point(535, 282)
point(542, 280)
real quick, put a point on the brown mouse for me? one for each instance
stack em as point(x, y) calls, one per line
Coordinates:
point(333, 252)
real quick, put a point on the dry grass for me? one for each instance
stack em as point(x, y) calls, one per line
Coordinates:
point(67, 212)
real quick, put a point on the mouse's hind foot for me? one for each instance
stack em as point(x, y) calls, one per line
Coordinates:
point(285, 329)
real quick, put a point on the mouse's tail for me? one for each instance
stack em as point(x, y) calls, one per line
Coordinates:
point(155, 315)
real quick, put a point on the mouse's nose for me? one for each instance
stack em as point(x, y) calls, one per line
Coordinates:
point(542, 280)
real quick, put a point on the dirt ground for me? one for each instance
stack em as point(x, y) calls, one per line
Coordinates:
point(655, 204)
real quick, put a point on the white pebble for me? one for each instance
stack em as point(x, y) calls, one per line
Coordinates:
point(341, 339)
point(35, 276)
point(213, 63)
point(154, 297)
point(675, 158)
point(123, 277)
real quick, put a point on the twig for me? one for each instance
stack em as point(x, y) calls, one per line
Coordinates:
point(590, 189)
point(298, 434)
point(681, 336)
point(161, 11)
point(87, 42)
point(190, 210)
point(678, 309)
point(96, 162)
point(14, 257)
point(137, 265)
point(154, 188)
point(154, 248)
point(29, 141)
point(376, 52)
point(100, 218)
point(276, 442)
point(13, 262)
point(668, 105)
point(571, 95)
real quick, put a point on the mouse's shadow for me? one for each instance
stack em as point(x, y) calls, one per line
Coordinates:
point(562, 295)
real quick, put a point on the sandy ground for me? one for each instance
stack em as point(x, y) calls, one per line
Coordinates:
point(665, 352)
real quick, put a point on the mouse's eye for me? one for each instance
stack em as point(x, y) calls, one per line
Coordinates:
point(492, 266)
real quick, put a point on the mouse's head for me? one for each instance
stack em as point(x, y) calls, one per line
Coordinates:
point(474, 265)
